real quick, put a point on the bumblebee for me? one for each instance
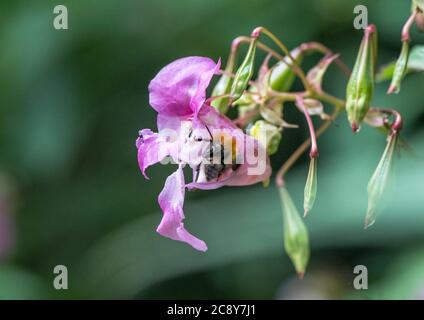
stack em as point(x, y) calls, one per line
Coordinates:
point(217, 160)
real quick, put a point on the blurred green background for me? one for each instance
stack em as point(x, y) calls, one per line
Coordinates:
point(71, 105)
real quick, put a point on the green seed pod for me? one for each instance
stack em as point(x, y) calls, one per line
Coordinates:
point(379, 180)
point(244, 72)
point(310, 187)
point(281, 76)
point(223, 86)
point(360, 87)
point(400, 69)
point(296, 240)
point(267, 134)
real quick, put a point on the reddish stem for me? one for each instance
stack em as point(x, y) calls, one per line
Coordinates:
point(407, 27)
point(314, 146)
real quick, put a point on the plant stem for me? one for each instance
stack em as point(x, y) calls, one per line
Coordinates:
point(279, 179)
point(314, 146)
point(319, 47)
point(239, 40)
point(407, 27)
point(295, 66)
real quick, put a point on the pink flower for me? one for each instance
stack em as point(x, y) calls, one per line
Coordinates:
point(192, 133)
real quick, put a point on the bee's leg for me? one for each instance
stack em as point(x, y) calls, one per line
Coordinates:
point(210, 134)
point(197, 172)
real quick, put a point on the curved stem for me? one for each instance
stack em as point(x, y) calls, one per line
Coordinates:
point(319, 47)
point(246, 40)
point(407, 27)
point(279, 179)
point(339, 103)
point(295, 66)
point(397, 123)
point(314, 146)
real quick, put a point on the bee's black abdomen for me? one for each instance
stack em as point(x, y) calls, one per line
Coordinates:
point(213, 171)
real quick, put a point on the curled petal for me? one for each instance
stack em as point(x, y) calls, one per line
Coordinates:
point(179, 89)
point(151, 149)
point(171, 201)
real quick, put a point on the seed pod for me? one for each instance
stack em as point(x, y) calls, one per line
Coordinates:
point(379, 180)
point(222, 87)
point(267, 134)
point(281, 76)
point(400, 69)
point(360, 87)
point(296, 240)
point(310, 187)
point(244, 72)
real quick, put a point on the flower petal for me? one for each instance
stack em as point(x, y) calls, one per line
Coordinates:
point(151, 149)
point(171, 200)
point(179, 89)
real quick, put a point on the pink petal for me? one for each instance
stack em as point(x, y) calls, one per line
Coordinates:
point(151, 149)
point(179, 89)
point(171, 200)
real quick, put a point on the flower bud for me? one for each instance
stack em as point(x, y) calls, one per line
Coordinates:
point(360, 87)
point(267, 134)
point(296, 240)
point(244, 72)
point(400, 69)
point(310, 187)
point(379, 180)
point(281, 77)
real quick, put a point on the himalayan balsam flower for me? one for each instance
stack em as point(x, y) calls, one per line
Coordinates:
point(188, 127)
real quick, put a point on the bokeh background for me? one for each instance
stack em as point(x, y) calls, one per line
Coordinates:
point(71, 105)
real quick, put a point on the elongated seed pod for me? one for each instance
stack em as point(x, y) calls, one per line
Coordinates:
point(360, 88)
point(244, 72)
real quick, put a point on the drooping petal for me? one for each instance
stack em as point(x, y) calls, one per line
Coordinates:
point(151, 149)
point(179, 89)
point(171, 201)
